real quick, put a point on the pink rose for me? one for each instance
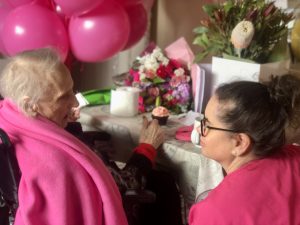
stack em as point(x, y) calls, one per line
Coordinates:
point(153, 91)
point(136, 77)
point(150, 74)
point(175, 81)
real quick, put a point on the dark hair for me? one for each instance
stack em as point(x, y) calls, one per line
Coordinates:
point(286, 90)
point(261, 110)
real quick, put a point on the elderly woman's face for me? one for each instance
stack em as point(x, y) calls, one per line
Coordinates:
point(58, 105)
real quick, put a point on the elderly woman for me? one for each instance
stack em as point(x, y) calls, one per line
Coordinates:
point(244, 130)
point(62, 181)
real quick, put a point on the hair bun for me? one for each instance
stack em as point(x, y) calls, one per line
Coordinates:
point(275, 89)
point(285, 90)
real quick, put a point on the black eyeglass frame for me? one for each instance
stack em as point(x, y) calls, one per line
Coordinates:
point(202, 124)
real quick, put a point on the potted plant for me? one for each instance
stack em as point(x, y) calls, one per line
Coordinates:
point(244, 29)
point(247, 39)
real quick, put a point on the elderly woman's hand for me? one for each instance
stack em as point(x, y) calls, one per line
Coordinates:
point(152, 133)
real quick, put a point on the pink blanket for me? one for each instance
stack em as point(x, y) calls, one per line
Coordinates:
point(63, 182)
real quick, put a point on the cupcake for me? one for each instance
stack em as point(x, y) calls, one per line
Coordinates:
point(161, 114)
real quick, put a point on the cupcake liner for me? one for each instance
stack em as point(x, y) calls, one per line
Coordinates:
point(162, 120)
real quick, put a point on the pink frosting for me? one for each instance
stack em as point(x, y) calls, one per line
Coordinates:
point(160, 111)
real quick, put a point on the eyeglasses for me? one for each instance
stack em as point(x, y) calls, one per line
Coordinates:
point(204, 128)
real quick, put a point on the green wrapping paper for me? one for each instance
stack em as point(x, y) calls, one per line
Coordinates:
point(97, 97)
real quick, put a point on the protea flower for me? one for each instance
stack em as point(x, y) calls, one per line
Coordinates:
point(242, 35)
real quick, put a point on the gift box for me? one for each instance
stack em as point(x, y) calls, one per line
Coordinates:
point(227, 70)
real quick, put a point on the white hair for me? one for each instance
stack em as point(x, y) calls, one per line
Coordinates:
point(28, 74)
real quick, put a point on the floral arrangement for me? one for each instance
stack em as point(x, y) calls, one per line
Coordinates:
point(247, 29)
point(162, 81)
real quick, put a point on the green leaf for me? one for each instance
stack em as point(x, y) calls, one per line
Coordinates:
point(205, 39)
point(209, 8)
point(200, 56)
point(201, 41)
point(200, 30)
point(225, 56)
point(197, 41)
point(228, 6)
point(145, 80)
point(158, 80)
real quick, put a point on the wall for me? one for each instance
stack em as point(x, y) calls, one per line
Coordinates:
point(177, 18)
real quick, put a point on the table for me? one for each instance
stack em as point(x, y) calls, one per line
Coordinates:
point(194, 173)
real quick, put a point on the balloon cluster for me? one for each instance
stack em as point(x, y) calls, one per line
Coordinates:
point(92, 30)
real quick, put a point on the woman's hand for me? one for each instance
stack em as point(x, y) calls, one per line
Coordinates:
point(152, 133)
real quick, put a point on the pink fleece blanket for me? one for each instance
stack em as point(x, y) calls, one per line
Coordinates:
point(63, 182)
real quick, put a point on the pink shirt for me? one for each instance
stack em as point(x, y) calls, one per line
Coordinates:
point(263, 192)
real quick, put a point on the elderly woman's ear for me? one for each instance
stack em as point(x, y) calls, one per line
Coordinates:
point(30, 108)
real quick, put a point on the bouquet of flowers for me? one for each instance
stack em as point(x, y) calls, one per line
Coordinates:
point(162, 81)
point(245, 29)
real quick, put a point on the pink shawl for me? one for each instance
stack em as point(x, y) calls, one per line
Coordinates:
point(63, 182)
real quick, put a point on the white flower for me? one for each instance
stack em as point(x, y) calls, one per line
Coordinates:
point(151, 64)
point(165, 61)
point(141, 59)
point(242, 34)
point(156, 51)
point(142, 76)
point(158, 55)
point(141, 68)
point(152, 58)
point(179, 72)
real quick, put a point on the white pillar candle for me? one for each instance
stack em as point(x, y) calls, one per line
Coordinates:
point(124, 101)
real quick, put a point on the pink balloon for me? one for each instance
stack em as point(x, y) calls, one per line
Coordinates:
point(77, 7)
point(4, 11)
point(16, 3)
point(148, 4)
point(32, 26)
point(46, 3)
point(138, 26)
point(99, 34)
point(129, 2)
point(65, 19)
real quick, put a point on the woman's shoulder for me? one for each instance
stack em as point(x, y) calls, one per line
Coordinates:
point(41, 157)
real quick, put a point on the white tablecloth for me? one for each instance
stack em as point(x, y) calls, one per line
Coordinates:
point(195, 173)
